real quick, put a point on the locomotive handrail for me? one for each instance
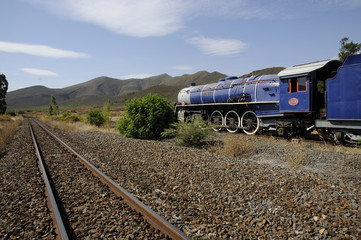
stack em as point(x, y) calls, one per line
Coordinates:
point(239, 103)
point(231, 85)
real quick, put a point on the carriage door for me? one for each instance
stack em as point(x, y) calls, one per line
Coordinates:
point(295, 94)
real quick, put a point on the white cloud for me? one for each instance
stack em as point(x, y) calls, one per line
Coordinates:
point(137, 76)
point(39, 72)
point(183, 67)
point(144, 18)
point(140, 18)
point(218, 46)
point(39, 50)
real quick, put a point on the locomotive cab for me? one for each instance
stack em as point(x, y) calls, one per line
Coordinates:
point(295, 94)
point(303, 96)
point(303, 88)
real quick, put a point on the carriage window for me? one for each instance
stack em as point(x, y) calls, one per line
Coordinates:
point(297, 84)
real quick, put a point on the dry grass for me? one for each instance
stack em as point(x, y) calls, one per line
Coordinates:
point(74, 127)
point(4, 118)
point(8, 126)
point(337, 149)
point(296, 156)
point(235, 146)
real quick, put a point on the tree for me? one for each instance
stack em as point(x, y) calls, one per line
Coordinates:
point(3, 91)
point(53, 107)
point(348, 48)
point(106, 114)
point(147, 117)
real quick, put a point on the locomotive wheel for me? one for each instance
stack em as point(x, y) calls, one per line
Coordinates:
point(250, 123)
point(232, 121)
point(216, 118)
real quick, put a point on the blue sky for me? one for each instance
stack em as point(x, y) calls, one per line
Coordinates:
point(59, 43)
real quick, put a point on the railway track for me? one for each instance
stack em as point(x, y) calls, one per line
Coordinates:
point(91, 206)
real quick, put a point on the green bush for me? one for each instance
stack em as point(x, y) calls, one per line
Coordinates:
point(70, 117)
point(65, 115)
point(73, 118)
point(95, 117)
point(146, 117)
point(11, 112)
point(190, 133)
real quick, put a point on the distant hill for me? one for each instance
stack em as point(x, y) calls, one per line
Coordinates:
point(102, 89)
point(171, 88)
point(171, 91)
point(272, 70)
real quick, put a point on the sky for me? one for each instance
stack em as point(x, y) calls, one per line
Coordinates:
point(59, 43)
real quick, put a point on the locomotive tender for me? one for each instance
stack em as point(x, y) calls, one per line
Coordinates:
point(323, 96)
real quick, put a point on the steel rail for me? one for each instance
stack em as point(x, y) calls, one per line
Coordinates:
point(59, 225)
point(148, 214)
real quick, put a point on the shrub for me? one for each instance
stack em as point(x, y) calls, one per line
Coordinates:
point(11, 112)
point(65, 115)
point(73, 118)
point(235, 146)
point(146, 117)
point(95, 117)
point(70, 117)
point(106, 114)
point(190, 133)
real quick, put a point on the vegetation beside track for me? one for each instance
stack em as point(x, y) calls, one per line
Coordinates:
point(294, 156)
point(8, 126)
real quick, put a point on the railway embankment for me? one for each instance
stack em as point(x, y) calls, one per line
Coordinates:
point(209, 195)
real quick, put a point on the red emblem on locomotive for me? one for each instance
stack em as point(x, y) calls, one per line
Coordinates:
point(293, 101)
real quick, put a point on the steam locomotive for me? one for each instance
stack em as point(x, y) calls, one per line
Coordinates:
point(323, 96)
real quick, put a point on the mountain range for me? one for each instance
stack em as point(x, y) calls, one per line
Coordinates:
point(99, 90)
point(102, 89)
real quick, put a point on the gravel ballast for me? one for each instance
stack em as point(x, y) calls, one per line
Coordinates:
point(92, 210)
point(211, 196)
point(214, 196)
point(23, 208)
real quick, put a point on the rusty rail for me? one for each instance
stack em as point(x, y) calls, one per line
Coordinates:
point(148, 214)
point(58, 221)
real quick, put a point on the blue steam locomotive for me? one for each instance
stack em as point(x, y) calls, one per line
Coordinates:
point(323, 96)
